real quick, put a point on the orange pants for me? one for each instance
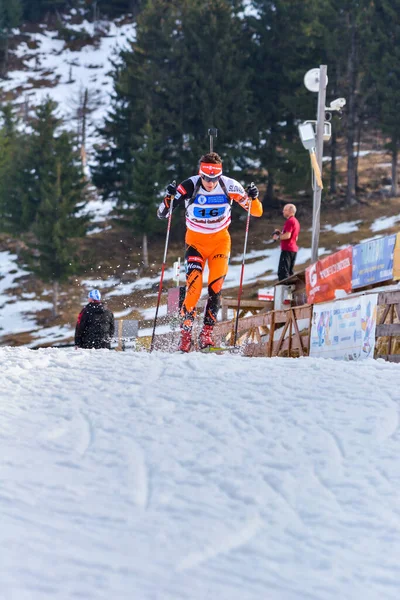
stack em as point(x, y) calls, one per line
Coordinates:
point(201, 247)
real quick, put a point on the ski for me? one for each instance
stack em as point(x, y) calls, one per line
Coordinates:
point(220, 349)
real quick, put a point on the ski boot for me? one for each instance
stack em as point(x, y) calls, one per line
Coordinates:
point(205, 338)
point(188, 318)
point(186, 340)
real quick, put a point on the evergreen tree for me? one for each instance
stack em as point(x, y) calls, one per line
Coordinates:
point(57, 193)
point(33, 10)
point(141, 197)
point(10, 16)
point(384, 75)
point(183, 74)
point(327, 29)
point(281, 48)
point(41, 161)
point(214, 83)
point(13, 148)
point(112, 167)
point(114, 8)
point(346, 30)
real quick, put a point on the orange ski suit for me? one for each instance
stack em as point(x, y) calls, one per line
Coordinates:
point(208, 215)
point(213, 247)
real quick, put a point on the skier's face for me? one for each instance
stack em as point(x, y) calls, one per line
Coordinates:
point(209, 185)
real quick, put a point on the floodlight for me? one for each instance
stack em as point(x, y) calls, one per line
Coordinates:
point(311, 80)
point(327, 130)
point(307, 135)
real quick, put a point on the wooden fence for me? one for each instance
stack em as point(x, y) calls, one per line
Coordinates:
point(287, 332)
point(275, 333)
point(387, 334)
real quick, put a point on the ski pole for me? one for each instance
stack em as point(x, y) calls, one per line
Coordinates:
point(242, 272)
point(162, 273)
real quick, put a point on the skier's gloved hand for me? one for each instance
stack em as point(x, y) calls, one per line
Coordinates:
point(252, 191)
point(171, 189)
point(163, 209)
point(167, 202)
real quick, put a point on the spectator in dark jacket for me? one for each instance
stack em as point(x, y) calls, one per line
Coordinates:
point(95, 326)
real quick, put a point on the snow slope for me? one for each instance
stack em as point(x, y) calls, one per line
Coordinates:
point(52, 70)
point(169, 477)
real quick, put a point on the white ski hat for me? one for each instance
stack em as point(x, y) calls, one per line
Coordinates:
point(94, 295)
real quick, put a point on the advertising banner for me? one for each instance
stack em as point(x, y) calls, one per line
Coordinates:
point(344, 329)
point(373, 261)
point(396, 258)
point(266, 294)
point(330, 277)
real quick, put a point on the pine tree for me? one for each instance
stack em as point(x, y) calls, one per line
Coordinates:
point(13, 150)
point(57, 192)
point(141, 197)
point(183, 74)
point(384, 75)
point(114, 8)
point(40, 164)
point(212, 82)
point(345, 26)
point(10, 16)
point(33, 10)
point(281, 47)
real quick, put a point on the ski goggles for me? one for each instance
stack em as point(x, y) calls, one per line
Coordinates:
point(210, 171)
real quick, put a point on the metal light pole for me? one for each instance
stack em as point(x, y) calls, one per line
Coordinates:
point(312, 139)
point(319, 134)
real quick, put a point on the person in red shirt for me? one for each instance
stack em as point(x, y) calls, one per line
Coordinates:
point(288, 238)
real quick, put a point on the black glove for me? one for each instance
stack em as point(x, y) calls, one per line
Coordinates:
point(164, 207)
point(276, 232)
point(171, 189)
point(252, 191)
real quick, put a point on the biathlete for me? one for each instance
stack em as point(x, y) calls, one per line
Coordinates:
point(207, 198)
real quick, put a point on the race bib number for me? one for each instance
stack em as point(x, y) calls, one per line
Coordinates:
point(208, 213)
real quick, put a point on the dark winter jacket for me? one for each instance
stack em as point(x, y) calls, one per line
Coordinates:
point(95, 326)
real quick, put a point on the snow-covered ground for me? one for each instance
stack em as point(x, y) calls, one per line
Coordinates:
point(68, 73)
point(137, 476)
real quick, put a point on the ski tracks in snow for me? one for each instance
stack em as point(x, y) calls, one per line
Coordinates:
point(233, 541)
point(201, 476)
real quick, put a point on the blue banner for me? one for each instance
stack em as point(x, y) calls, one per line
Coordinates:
point(373, 261)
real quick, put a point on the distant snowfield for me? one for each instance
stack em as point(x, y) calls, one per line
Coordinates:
point(17, 316)
point(71, 72)
point(184, 477)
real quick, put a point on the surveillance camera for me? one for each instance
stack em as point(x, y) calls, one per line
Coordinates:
point(337, 104)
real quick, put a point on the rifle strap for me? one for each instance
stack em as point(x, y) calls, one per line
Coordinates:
point(197, 187)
